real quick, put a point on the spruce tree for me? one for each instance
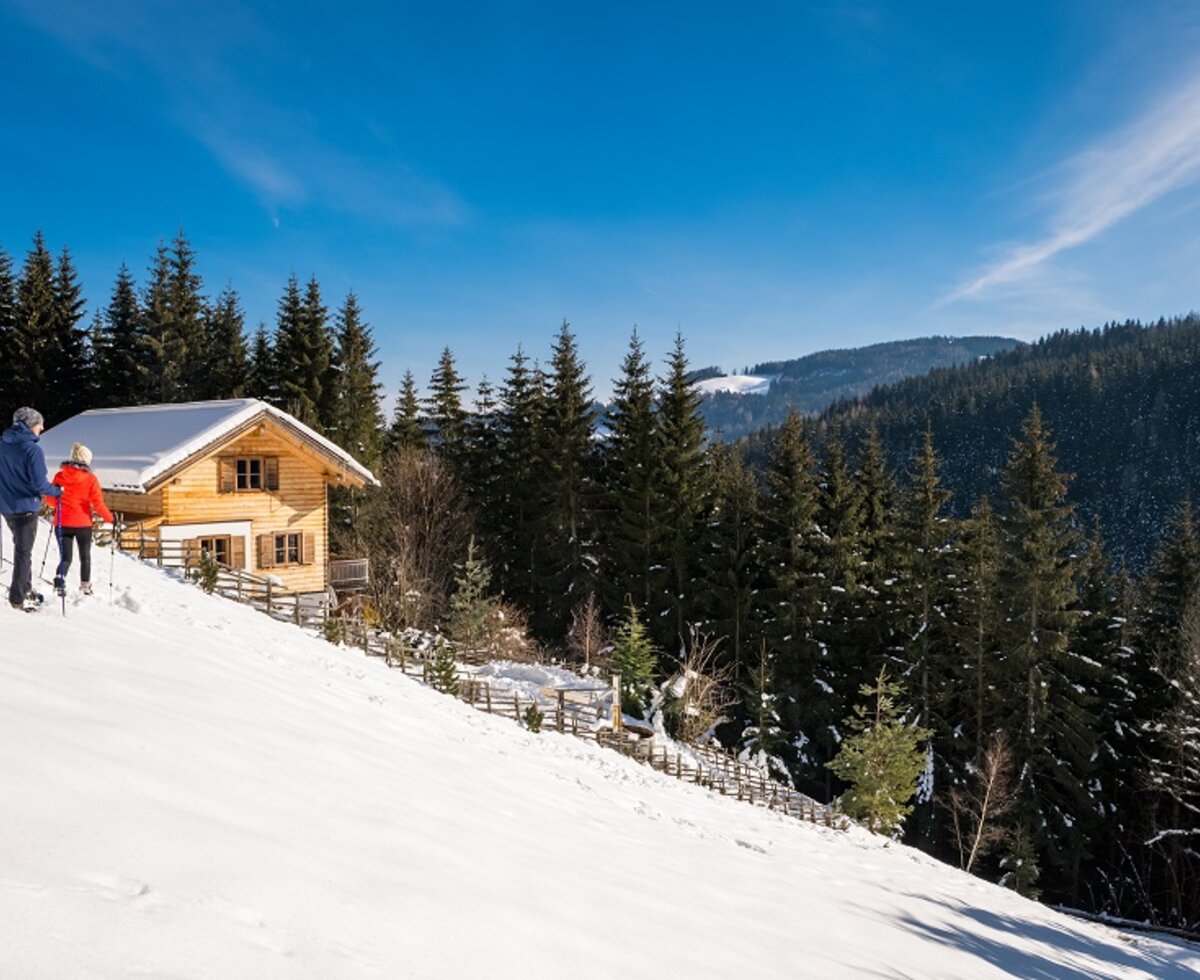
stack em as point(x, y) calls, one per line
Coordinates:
point(840, 667)
point(9, 353)
point(228, 368)
point(564, 549)
point(1049, 716)
point(407, 430)
point(788, 602)
point(68, 368)
point(445, 412)
point(520, 421)
point(980, 611)
point(763, 740)
point(481, 471)
point(303, 354)
point(1099, 637)
point(879, 633)
point(681, 436)
point(186, 304)
point(120, 369)
point(730, 559)
point(163, 348)
point(928, 654)
point(1166, 645)
point(33, 334)
point(632, 521)
point(262, 379)
point(358, 419)
point(325, 357)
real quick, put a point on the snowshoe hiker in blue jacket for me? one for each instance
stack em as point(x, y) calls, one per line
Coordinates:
point(23, 483)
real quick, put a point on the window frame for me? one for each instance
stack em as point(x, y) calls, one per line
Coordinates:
point(218, 540)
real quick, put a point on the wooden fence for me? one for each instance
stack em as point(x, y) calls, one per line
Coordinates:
point(703, 765)
point(707, 765)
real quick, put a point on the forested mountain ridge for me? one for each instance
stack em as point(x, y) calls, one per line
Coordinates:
point(1122, 400)
point(814, 382)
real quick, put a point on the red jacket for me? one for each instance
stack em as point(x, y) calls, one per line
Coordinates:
point(81, 496)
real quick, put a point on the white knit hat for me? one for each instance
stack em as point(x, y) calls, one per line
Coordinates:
point(81, 454)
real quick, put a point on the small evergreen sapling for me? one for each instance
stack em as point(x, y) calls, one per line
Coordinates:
point(443, 672)
point(1020, 864)
point(333, 629)
point(207, 572)
point(633, 657)
point(534, 716)
point(882, 760)
point(470, 607)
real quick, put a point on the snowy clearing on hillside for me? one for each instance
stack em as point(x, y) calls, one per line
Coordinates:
point(737, 384)
point(191, 789)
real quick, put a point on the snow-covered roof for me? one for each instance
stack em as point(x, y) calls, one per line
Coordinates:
point(133, 447)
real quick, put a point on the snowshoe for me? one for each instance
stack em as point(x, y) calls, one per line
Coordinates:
point(33, 602)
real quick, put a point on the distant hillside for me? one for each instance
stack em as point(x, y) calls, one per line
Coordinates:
point(1123, 403)
point(814, 382)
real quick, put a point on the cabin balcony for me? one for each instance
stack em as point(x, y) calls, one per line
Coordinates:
point(349, 575)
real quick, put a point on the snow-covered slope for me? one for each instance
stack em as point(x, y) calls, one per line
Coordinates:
point(189, 789)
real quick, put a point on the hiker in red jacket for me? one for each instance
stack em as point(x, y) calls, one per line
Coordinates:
point(81, 499)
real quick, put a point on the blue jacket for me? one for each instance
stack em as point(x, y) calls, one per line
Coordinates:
point(23, 480)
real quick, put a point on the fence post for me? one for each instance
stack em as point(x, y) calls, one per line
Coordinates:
point(297, 610)
point(269, 607)
point(561, 695)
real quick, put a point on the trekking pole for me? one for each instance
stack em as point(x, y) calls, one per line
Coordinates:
point(60, 578)
point(45, 555)
point(118, 519)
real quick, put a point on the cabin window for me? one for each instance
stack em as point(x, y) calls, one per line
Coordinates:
point(248, 474)
point(287, 549)
point(219, 547)
point(228, 549)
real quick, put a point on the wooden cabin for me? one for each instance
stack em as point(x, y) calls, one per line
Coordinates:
point(238, 478)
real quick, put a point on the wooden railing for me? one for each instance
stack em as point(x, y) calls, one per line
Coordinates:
point(349, 574)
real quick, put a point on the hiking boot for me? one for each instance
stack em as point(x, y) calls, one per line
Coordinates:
point(60, 585)
point(85, 588)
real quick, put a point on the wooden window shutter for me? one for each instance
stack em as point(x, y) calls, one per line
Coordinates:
point(309, 554)
point(266, 551)
point(237, 552)
point(227, 474)
point(271, 472)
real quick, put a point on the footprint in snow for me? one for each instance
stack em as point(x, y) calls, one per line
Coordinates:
point(117, 888)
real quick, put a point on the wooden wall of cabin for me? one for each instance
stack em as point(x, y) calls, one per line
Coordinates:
point(136, 508)
point(299, 506)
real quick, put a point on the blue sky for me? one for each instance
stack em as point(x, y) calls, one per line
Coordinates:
point(768, 178)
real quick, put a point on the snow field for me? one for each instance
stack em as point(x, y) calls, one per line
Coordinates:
point(190, 789)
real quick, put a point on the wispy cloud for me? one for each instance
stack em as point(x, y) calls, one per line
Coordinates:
point(274, 152)
point(1123, 173)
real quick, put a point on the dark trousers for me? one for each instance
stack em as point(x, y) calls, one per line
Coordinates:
point(24, 531)
point(82, 535)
